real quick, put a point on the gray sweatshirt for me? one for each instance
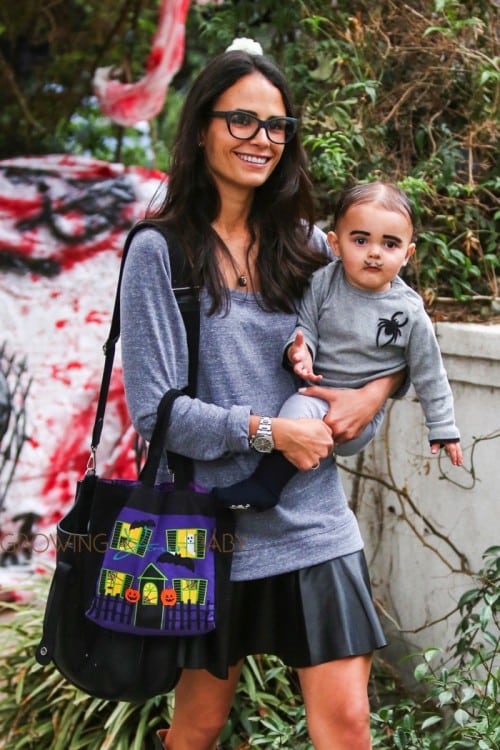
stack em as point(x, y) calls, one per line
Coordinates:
point(240, 371)
point(357, 336)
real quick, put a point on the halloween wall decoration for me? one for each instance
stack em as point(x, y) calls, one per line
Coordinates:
point(63, 222)
point(129, 103)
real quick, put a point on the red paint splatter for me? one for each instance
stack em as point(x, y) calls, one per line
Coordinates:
point(58, 372)
point(72, 453)
point(20, 207)
point(94, 316)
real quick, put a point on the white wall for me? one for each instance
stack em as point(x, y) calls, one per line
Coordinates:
point(418, 577)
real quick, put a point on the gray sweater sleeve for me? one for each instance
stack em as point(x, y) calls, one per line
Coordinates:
point(154, 359)
point(309, 317)
point(428, 375)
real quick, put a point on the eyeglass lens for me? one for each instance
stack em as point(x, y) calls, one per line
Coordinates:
point(244, 126)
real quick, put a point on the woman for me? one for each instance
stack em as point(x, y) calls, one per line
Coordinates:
point(239, 201)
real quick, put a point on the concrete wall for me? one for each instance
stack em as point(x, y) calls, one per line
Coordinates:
point(423, 542)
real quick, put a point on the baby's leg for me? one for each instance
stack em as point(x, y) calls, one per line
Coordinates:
point(299, 405)
point(263, 488)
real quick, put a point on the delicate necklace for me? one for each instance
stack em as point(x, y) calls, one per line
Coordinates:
point(241, 276)
point(242, 280)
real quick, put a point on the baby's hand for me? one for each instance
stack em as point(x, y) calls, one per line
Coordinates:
point(300, 357)
point(454, 451)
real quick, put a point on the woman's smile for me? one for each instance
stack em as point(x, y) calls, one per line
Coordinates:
point(254, 159)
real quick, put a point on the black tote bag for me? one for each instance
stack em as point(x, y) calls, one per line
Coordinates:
point(118, 632)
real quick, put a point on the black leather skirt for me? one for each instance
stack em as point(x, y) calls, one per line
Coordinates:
point(305, 617)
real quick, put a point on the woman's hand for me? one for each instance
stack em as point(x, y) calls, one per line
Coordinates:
point(352, 409)
point(304, 442)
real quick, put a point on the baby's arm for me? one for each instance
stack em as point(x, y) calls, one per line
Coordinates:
point(299, 356)
point(428, 375)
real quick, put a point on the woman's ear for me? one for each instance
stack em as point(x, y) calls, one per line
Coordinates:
point(333, 241)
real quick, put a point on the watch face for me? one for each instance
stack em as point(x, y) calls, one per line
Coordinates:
point(262, 444)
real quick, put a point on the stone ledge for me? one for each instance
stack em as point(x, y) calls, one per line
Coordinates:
point(462, 342)
point(469, 339)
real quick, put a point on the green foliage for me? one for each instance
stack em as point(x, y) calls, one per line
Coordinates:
point(268, 711)
point(48, 54)
point(460, 706)
point(39, 709)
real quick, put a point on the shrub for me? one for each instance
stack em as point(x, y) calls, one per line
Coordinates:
point(459, 708)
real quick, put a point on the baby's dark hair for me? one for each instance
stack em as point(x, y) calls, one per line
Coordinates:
point(384, 194)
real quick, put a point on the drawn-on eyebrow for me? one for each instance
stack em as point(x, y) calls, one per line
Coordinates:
point(392, 237)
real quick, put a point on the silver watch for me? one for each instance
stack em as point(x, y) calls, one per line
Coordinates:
point(263, 441)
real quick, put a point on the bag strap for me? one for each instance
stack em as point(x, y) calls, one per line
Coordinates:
point(180, 466)
point(188, 301)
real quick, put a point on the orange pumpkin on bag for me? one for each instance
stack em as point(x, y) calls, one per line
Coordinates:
point(132, 595)
point(168, 597)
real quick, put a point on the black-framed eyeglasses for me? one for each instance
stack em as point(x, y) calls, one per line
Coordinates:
point(244, 126)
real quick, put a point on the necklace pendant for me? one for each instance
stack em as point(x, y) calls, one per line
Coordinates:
point(242, 280)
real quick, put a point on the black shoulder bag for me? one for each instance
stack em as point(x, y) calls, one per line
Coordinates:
point(139, 566)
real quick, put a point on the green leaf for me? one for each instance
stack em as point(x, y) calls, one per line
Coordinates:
point(485, 615)
point(461, 717)
point(430, 653)
point(445, 697)
point(421, 671)
point(431, 721)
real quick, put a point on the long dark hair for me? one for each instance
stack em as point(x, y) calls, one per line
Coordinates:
point(282, 213)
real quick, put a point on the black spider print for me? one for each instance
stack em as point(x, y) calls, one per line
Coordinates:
point(390, 328)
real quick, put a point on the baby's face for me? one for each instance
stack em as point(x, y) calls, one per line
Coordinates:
point(374, 244)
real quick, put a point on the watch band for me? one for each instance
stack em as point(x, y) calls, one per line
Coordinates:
point(263, 441)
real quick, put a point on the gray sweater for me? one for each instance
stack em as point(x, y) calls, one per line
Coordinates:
point(240, 371)
point(357, 336)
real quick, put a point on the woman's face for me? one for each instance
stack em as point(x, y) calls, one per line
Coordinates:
point(236, 164)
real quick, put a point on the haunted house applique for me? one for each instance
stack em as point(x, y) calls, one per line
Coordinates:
point(132, 537)
point(149, 605)
point(114, 582)
point(189, 543)
point(389, 329)
point(154, 580)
